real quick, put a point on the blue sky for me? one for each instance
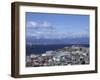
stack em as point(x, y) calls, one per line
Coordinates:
point(45, 25)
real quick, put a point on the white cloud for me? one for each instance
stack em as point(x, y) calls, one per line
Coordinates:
point(34, 24)
point(80, 34)
point(31, 24)
point(47, 31)
point(57, 35)
point(45, 24)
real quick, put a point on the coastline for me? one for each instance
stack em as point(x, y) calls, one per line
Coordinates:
point(73, 55)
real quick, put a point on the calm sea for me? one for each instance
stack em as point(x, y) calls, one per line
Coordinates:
point(39, 49)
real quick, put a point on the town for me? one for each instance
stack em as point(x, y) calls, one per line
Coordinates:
point(74, 55)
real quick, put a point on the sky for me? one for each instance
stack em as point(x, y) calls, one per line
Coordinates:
point(56, 26)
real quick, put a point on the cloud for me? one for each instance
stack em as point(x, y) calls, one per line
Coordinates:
point(45, 24)
point(80, 34)
point(57, 35)
point(48, 31)
point(31, 24)
point(34, 24)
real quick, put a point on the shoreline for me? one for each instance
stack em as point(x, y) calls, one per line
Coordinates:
point(68, 55)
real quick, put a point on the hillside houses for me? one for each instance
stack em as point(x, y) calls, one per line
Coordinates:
point(74, 55)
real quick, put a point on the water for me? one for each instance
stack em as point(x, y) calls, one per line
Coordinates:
point(39, 49)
